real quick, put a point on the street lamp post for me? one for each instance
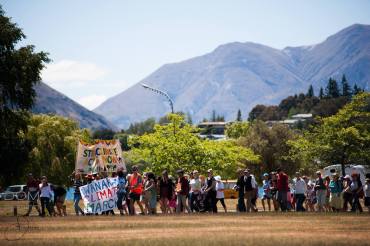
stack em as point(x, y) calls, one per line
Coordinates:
point(161, 93)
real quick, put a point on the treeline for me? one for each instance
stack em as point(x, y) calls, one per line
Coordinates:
point(326, 103)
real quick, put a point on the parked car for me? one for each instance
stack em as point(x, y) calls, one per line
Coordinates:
point(14, 192)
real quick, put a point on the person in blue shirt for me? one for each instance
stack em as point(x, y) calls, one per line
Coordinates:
point(121, 190)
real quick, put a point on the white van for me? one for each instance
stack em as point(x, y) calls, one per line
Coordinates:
point(349, 169)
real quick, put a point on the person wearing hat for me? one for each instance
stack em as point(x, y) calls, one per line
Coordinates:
point(266, 196)
point(33, 194)
point(240, 188)
point(347, 193)
point(195, 187)
point(367, 194)
point(321, 191)
point(300, 189)
point(220, 196)
point(250, 185)
point(335, 188)
point(211, 193)
point(77, 183)
point(182, 191)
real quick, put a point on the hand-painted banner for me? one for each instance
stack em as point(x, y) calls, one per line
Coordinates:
point(103, 156)
point(100, 195)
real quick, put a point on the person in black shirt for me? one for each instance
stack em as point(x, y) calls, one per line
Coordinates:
point(59, 198)
point(240, 188)
point(211, 193)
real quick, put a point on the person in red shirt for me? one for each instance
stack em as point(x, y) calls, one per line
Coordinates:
point(135, 186)
point(283, 188)
point(182, 191)
point(33, 194)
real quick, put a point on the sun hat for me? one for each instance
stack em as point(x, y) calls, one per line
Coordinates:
point(209, 170)
point(347, 177)
point(318, 172)
point(218, 178)
point(265, 174)
point(195, 171)
point(180, 171)
point(247, 170)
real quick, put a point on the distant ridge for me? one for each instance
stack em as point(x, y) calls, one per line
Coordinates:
point(240, 75)
point(51, 101)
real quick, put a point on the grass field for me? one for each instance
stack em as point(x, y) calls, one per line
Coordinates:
point(268, 228)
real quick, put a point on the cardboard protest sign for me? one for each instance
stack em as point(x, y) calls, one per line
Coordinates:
point(104, 155)
point(100, 195)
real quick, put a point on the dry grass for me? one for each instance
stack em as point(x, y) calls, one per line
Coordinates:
point(225, 229)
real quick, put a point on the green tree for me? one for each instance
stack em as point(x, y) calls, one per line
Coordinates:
point(163, 149)
point(321, 93)
point(346, 88)
point(310, 92)
point(342, 138)
point(239, 115)
point(53, 141)
point(140, 128)
point(19, 72)
point(356, 89)
point(271, 145)
point(237, 129)
point(332, 90)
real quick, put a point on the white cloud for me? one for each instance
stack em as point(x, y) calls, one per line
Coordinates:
point(91, 101)
point(71, 73)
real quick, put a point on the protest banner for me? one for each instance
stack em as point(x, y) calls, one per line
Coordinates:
point(100, 195)
point(103, 156)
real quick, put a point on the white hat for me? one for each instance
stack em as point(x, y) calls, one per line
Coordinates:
point(218, 178)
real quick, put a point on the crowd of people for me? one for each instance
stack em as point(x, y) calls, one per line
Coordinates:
point(195, 193)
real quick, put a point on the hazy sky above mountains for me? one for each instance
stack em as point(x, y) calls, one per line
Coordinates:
point(100, 48)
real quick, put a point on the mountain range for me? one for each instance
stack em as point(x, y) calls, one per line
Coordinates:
point(50, 101)
point(240, 75)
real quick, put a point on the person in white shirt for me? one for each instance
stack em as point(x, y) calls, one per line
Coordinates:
point(45, 196)
point(300, 189)
point(220, 196)
point(195, 187)
point(367, 194)
point(250, 186)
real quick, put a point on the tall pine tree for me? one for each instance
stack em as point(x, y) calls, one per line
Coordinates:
point(239, 116)
point(332, 90)
point(310, 92)
point(346, 88)
point(356, 89)
point(321, 94)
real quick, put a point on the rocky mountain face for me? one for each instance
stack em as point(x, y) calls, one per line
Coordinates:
point(51, 101)
point(240, 75)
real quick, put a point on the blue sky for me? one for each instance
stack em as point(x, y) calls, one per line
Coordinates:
point(100, 48)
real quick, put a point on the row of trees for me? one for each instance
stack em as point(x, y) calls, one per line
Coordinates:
point(326, 104)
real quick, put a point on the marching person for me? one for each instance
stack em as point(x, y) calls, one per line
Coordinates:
point(45, 196)
point(182, 191)
point(195, 187)
point(367, 194)
point(240, 188)
point(59, 199)
point(220, 196)
point(33, 194)
point(282, 189)
point(121, 190)
point(77, 183)
point(135, 184)
point(249, 189)
point(211, 192)
point(335, 188)
point(165, 192)
point(321, 191)
point(356, 188)
point(300, 189)
point(266, 186)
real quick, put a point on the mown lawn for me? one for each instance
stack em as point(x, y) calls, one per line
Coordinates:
point(267, 228)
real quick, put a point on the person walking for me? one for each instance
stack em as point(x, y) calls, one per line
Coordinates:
point(240, 188)
point(211, 192)
point(33, 194)
point(335, 189)
point(220, 196)
point(135, 185)
point(282, 189)
point(59, 199)
point(121, 190)
point(321, 191)
point(300, 189)
point(249, 189)
point(165, 191)
point(182, 191)
point(266, 186)
point(77, 183)
point(357, 189)
point(45, 196)
point(367, 194)
point(347, 193)
point(195, 186)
